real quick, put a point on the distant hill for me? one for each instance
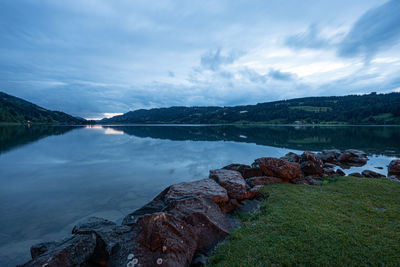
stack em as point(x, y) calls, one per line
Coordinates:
point(353, 109)
point(17, 110)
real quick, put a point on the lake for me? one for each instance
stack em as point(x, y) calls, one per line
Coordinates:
point(51, 177)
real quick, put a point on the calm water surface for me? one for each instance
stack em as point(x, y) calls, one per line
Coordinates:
point(53, 177)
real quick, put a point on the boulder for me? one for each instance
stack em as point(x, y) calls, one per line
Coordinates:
point(164, 240)
point(110, 235)
point(329, 156)
point(207, 188)
point(203, 214)
point(340, 172)
point(74, 251)
point(245, 170)
point(278, 168)
point(353, 157)
point(263, 180)
point(394, 168)
point(291, 157)
point(310, 164)
point(232, 181)
point(372, 174)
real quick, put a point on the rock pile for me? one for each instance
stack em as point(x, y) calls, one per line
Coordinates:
point(189, 218)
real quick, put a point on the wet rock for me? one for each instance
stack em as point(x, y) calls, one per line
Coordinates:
point(394, 168)
point(263, 180)
point(353, 157)
point(310, 164)
point(75, 251)
point(165, 240)
point(278, 168)
point(232, 181)
point(203, 214)
point(371, 174)
point(291, 157)
point(356, 174)
point(329, 172)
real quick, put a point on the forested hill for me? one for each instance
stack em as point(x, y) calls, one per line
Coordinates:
point(353, 109)
point(17, 110)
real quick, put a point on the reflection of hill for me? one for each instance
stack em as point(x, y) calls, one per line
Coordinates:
point(379, 140)
point(17, 135)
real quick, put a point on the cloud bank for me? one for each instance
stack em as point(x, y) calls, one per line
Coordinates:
point(89, 58)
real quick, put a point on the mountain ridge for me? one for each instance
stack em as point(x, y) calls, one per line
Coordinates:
point(371, 108)
point(17, 110)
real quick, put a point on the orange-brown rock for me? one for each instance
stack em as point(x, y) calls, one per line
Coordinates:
point(278, 168)
point(232, 181)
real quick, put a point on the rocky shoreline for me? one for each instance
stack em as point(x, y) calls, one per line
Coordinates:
point(188, 219)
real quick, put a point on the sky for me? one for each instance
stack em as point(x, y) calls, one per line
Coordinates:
point(97, 58)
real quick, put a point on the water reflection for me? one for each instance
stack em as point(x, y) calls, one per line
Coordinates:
point(14, 136)
point(373, 140)
point(52, 183)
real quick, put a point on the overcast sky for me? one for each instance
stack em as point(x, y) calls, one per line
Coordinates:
point(89, 58)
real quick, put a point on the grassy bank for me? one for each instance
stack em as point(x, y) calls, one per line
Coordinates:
point(347, 221)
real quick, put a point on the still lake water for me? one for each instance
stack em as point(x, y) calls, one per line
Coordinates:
point(51, 177)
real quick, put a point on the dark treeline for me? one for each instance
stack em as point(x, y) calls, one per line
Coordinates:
point(354, 109)
point(17, 110)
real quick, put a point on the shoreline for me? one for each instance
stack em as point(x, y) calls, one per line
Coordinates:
point(190, 218)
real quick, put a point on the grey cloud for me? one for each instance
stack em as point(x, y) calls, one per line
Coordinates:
point(377, 29)
point(280, 75)
point(311, 38)
point(213, 60)
point(254, 76)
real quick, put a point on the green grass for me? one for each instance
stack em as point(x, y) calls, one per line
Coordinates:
point(345, 222)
